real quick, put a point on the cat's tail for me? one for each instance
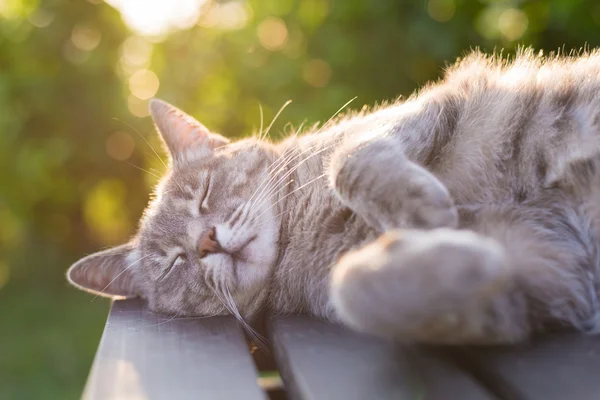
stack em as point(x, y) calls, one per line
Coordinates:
point(442, 286)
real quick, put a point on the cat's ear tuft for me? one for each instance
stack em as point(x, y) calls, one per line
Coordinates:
point(105, 273)
point(182, 134)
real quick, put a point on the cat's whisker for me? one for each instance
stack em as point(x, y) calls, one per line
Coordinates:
point(119, 274)
point(259, 202)
point(271, 219)
point(217, 293)
point(145, 140)
point(236, 213)
point(269, 178)
point(310, 148)
point(142, 169)
point(208, 278)
point(336, 113)
point(274, 165)
point(246, 212)
point(265, 175)
point(178, 318)
point(289, 194)
point(221, 146)
point(162, 322)
point(226, 299)
point(287, 160)
point(198, 317)
point(292, 170)
point(315, 137)
point(262, 118)
point(282, 159)
point(298, 130)
point(287, 103)
point(256, 337)
point(275, 185)
point(274, 217)
point(166, 192)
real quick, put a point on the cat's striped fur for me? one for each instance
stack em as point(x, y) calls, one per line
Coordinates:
point(469, 213)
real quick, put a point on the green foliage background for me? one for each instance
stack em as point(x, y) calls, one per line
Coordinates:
point(70, 186)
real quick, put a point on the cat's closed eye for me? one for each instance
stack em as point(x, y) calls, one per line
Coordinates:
point(203, 209)
point(175, 262)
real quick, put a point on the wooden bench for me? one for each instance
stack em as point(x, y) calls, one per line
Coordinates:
point(147, 356)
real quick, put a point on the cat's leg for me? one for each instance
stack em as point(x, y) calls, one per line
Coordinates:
point(377, 181)
point(437, 286)
point(524, 269)
point(380, 169)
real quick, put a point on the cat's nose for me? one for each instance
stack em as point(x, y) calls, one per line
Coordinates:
point(208, 243)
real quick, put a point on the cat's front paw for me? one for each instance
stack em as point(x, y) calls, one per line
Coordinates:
point(418, 201)
point(390, 192)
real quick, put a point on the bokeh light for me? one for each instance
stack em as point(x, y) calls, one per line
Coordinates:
point(41, 18)
point(143, 84)
point(272, 33)
point(137, 106)
point(227, 16)
point(441, 10)
point(74, 54)
point(120, 145)
point(316, 73)
point(85, 36)
point(136, 51)
point(105, 211)
point(158, 17)
point(512, 23)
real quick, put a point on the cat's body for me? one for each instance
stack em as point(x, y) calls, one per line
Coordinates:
point(508, 153)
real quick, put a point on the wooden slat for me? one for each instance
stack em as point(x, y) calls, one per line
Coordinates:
point(147, 356)
point(319, 360)
point(552, 368)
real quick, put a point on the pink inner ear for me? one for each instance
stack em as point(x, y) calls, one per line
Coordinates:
point(189, 133)
point(180, 131)
point(103, 275)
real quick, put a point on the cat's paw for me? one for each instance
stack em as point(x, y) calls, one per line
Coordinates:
point(440, 286)
point(389, 191)
point(415, 199)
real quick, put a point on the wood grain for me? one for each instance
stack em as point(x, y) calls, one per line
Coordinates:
point(147, 356)
point(320, 360)
point(550, 368)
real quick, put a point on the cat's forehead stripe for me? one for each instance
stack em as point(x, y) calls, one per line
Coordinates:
point(154, 247)
point(180, 190)
point(167, 224)
point(188, 187)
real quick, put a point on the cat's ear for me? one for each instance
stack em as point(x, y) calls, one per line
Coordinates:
point(182, 134)
point(105, 273)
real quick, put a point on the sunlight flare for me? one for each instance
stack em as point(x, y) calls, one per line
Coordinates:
point(158, 17)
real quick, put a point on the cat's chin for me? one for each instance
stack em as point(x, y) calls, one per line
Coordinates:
point(250, 273)
point(255, 262)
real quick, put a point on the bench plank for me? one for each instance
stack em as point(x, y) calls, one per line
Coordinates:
point(552, 368)
point(320, 360)
point(143, 355)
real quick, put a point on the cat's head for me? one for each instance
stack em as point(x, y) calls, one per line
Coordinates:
point(208, 241)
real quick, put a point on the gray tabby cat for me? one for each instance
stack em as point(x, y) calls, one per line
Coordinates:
point(469, 213)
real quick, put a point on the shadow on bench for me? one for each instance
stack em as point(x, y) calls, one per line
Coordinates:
point(147, 356)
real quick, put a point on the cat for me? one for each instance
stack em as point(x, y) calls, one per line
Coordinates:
point(468, 213)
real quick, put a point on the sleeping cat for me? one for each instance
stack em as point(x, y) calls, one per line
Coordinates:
point(469, 213)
